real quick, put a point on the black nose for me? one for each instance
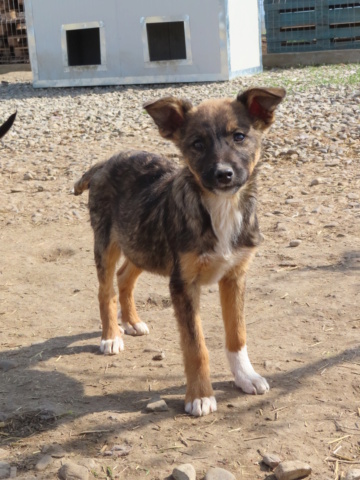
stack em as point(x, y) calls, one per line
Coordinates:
point(224, 174)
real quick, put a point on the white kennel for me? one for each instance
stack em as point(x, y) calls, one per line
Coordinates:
point(112, 42)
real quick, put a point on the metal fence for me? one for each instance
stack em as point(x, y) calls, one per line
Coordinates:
point(13, 38)
point(310, 25)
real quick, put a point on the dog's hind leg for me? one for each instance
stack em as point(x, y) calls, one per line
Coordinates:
point(127, 275)
point(111, 341)
point(199, 398)
point(232, 290)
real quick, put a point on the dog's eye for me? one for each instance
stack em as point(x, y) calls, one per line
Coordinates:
point(238, 137)
point(199, 145)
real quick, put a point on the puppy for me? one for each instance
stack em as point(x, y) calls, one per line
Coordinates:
point(196, 224)
point(5, 127)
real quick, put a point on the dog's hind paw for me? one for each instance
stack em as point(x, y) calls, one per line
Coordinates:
point(139, 328)
point(112, 346)
point(245, 376)
point(201, 406)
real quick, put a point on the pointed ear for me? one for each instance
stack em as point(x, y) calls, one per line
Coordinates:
point(262, 102)
point(169, 114)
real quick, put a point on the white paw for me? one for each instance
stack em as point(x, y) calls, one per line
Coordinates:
point(245, 376)
point(201, 406)
point(139, 328)
point(112, 346)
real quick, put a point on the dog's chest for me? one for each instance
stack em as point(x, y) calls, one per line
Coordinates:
point(226, 221)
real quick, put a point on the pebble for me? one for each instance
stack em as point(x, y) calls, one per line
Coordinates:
point(43, 463)
point(353, 475)
point(157, 406)
point(292, 470)
point(72, 471)
point(271, 460)
point(294, 243)
point(4, 470)
point(7, 365)
point(159, 356)
point(184, 472)
point(218, 474)
point(55, 450)
point(316, 181)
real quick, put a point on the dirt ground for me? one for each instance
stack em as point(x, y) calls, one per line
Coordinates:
point(302, 308)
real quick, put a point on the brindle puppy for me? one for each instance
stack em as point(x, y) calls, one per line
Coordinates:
point(196, 224)
point(5, 127)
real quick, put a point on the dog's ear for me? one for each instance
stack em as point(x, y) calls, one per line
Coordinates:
point(262, 102)
point(169, 114)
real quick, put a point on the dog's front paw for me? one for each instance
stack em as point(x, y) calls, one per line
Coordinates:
point(112, 346)
point(245, 376)
point(201, 406)
point(139, 328)
point(254, 384)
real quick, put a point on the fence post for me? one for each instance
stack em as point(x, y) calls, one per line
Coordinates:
point(322, 25)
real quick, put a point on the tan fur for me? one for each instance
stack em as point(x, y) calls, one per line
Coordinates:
point(126, 277)
point(232, 293)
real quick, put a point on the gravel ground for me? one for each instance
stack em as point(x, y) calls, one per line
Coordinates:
point(319, 123)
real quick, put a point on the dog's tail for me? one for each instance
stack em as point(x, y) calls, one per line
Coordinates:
point(84, 182)
point(5, 127)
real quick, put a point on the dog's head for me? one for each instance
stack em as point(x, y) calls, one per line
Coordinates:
point(220, 139)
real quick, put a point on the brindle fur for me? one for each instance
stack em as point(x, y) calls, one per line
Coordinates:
point(196, 223)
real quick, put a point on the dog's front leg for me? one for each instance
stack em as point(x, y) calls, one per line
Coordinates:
point(232, 292)
point(199, 398)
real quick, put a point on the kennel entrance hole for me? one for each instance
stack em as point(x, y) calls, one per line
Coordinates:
point(83, 47)
point(166, 41)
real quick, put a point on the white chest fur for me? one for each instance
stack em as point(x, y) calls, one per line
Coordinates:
point(226, 221)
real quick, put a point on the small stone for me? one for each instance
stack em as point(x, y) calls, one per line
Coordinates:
point(159, 356)
point(157, 406)
point(184, 472)
point(271, 460)
point(294, 243)
point(71, 471)
point(316, 181)
point(43, 463)
point(219, 474)
point(55, 450)
point(4, 470)
point(292, 470)
point(3, 453)
point(281, 227)
point(353, 474)
point(28, 176)
point(7, 365)
point(352, 196)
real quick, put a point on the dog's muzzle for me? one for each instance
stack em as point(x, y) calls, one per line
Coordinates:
point(222, 177)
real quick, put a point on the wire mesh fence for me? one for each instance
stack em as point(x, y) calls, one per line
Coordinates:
point(311, 25)
point(13, 38)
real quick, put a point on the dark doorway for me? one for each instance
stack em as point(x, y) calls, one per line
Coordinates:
point(83, 47)
point(166, 41)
